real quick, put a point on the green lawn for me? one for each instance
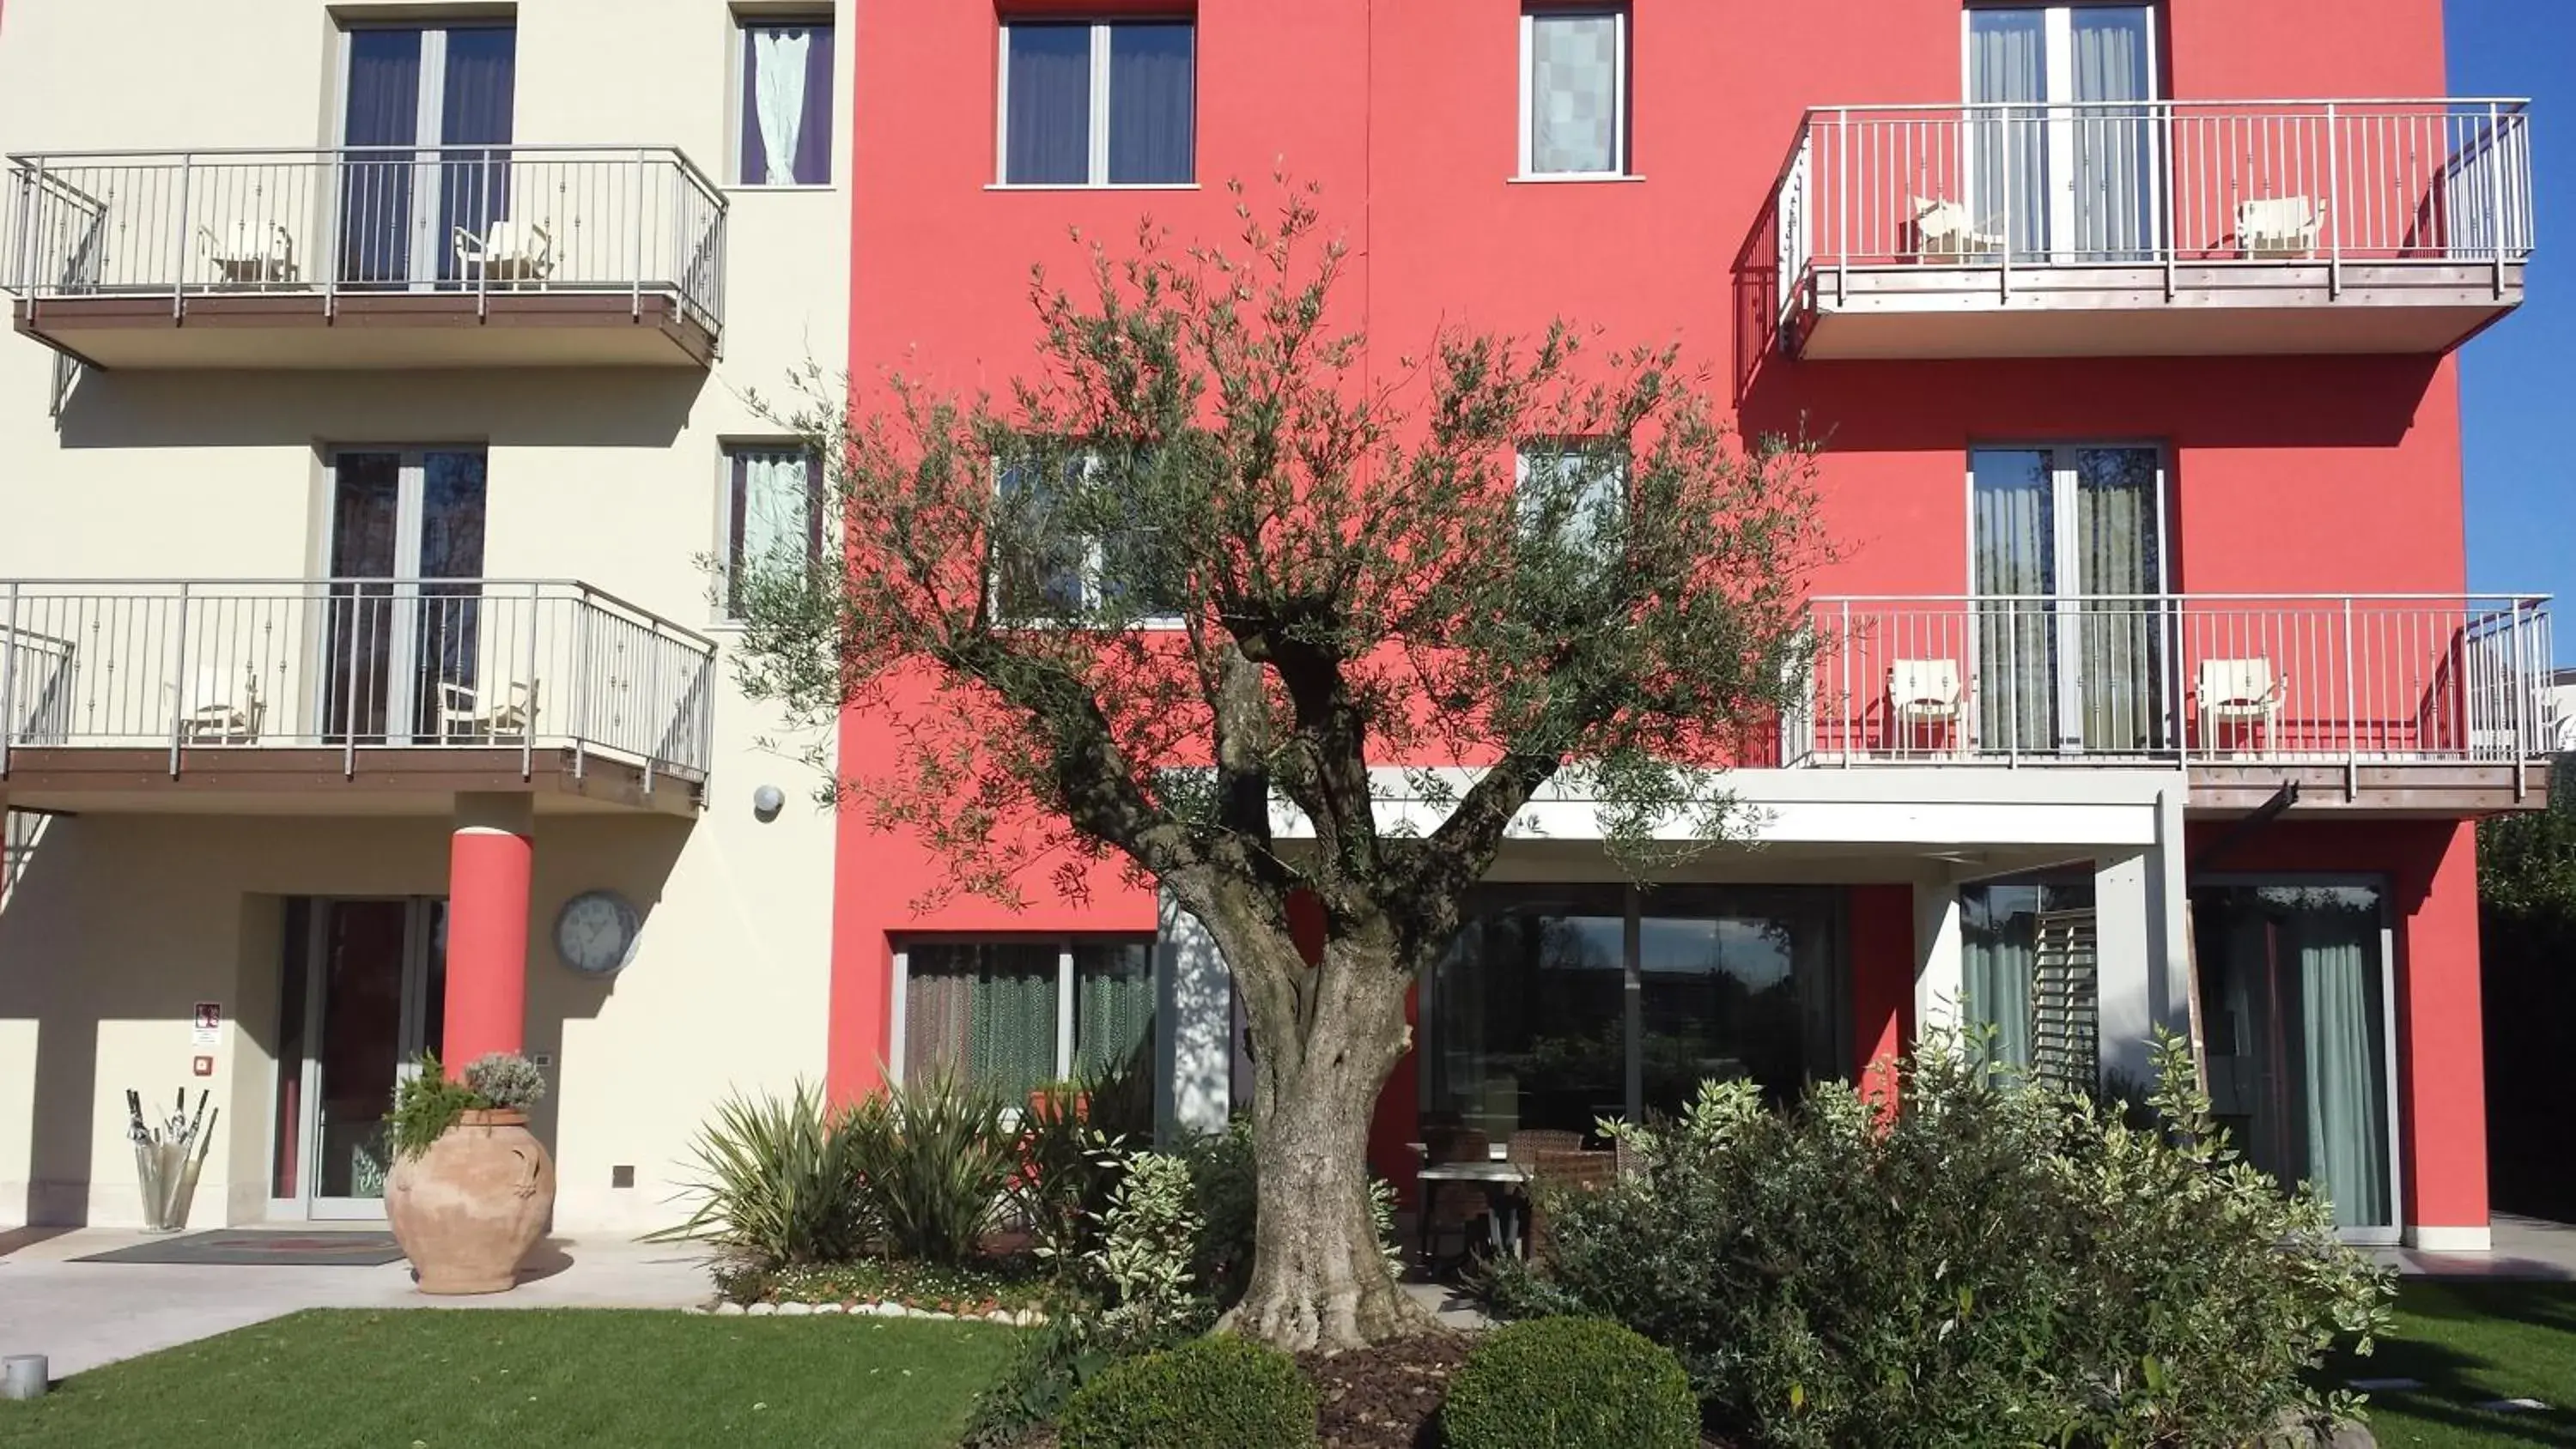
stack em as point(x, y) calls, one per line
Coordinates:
point(2473, 1343)
point(458, 1379)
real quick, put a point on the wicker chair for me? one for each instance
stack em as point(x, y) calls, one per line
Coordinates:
point(1558, 1172)
point(1524, 1146)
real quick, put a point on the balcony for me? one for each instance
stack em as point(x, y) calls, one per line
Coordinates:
point(2187, 228)
point(2389, 703)
point(368, 257)
point(315, 696)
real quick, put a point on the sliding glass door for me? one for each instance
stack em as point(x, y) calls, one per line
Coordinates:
point(405, 618)
point(2066, 162)
point(1561, 1006)
point(2295, 991)
point(2067, 559)
point(404, 86)
point(362, 994)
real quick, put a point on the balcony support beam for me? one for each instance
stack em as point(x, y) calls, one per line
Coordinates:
point(491, 859)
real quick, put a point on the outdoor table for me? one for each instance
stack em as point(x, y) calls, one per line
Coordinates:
point(1502, 1183)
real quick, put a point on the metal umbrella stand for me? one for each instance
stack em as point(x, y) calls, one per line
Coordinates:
point(167, 1159)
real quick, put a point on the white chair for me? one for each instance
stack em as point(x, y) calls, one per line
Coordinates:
point(1921, 694)
point(1945, 235)
point(2277, 229)
point(508, 252)
point(215, 711)
point(2243, 694)
point(465, 714)
point(237, 264)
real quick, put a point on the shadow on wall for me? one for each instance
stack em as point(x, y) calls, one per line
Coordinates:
point(532, 407)
point(91, 945)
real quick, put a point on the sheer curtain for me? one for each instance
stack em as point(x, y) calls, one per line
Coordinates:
point(1574, 93)
point(2347, 1126)
point(2116, 502)
point(2115, 144)
point(375, 199)
point(1048, 97)
point(476, 105)
point(2008, 76)
point(985, 1013)
point(1113, 1005)
point(778, 100)
point(1998, 939)
point(2016, 545)
point(1151, 102)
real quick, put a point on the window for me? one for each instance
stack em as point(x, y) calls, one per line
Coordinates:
point(1055, 560)
point(786, 111)
point(1112, 103)
point(2028, 974)
point(1572, 491)
point(1574, 92)
point(1013, 1015)
point(774, 511)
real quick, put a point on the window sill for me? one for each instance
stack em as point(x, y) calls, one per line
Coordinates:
point(747, 188)
point(1087, 186)
point(1574, 178)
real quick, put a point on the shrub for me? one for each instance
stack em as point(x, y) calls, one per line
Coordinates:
point(778, 1182)
point(1569, 1383)
point(1995, 1263)
point(1209, 1393)
point(426, 1104)
point(1069, 1164)
point(507, 1081)
point(935, 1160)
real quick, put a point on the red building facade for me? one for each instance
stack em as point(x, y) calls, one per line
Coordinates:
point(2157, 695)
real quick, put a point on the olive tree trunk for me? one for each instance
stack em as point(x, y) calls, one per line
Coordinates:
point(1324, 1039)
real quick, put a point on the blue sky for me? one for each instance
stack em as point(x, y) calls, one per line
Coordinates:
point(2518, 381)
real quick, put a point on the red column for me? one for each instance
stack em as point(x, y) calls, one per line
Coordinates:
point(2442, 1053)
point(488, 864)
point(1880, 946)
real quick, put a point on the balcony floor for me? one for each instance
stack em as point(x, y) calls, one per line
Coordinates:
point(2212, 309)
point(308, 329)
point(327, 780)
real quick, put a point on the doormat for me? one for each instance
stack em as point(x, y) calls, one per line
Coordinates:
point(244, 1248)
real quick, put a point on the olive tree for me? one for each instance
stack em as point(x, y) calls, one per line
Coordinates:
point(1213, 580)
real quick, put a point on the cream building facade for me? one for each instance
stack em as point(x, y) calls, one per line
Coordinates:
point(511, 330)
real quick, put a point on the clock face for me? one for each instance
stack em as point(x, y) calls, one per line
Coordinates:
point(596, 932)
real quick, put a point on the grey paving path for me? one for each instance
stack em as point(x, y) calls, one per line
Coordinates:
point(81, 1315)
point(2525, 1248)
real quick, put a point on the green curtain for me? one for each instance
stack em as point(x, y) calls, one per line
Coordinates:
point(2346, 1088)
point(1113, 1005)
point(983, 1011)
point(1999, 940)
point(2015, 554)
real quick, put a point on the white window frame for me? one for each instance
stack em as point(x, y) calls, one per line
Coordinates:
point(2057, 40)
point(1067, 982)
point(1097, 139)
point(1622, 463)
point(1087, 573)
point(1622, 163)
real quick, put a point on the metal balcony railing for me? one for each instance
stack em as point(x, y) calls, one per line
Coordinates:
point(2155, 184)
point(2192, 678)
point(356, 665)
point(601, 220)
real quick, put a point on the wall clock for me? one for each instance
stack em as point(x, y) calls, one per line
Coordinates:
point(595, 932)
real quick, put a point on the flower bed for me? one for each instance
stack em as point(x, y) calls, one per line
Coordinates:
point(977, 1290)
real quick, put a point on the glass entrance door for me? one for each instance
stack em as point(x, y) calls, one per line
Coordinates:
point(2295, 990)
point(363, 988)
point(2067, 563)
point(410, 87)
point(2067, 159)
point(405, 621)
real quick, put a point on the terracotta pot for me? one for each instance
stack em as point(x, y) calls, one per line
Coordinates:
point(471, 1206)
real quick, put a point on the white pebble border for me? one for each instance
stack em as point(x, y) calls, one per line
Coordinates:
point(1015, 1317)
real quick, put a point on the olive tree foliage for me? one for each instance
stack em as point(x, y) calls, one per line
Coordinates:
point(1206, 587)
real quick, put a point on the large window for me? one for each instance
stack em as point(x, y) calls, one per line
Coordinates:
point(785, 110)
point(1574, 91)
point(1529, 1026)
point(2028, 978)
point(1068, 548)
point(1106, 103)
point(1014, 1014)
point(773, 512)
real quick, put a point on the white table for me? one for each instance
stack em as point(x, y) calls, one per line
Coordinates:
point(1503, 1183)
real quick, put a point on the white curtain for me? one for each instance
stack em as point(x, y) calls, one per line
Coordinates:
point(776, 499)
point(1999, 939)
point(2008, 74)
point(778, 79)
point(2123, 662)
point(2115, 138)
point(2016, 553)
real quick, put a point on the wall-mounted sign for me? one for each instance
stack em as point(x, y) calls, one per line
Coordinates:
point(208, 1029)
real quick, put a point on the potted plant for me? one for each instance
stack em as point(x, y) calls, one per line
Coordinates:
point(471, 1188)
